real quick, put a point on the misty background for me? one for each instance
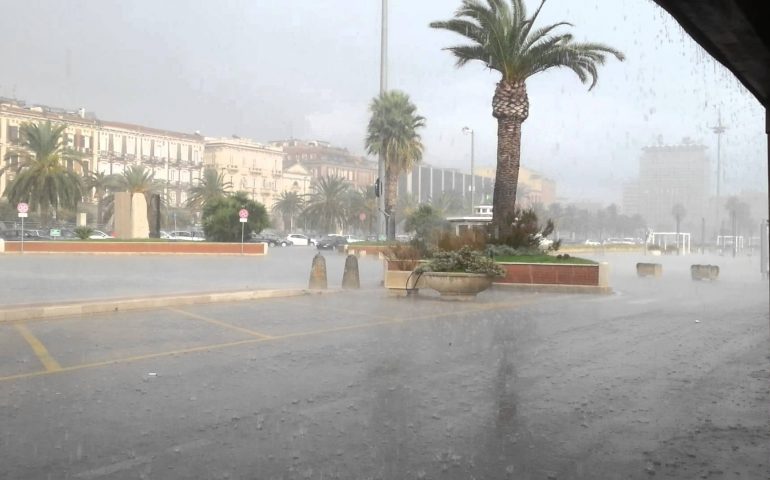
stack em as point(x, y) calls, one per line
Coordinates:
point(271, 69)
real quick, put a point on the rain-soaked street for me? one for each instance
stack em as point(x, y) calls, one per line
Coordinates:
point(665, 377)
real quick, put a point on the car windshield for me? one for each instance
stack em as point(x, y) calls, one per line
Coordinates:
point(384, 239)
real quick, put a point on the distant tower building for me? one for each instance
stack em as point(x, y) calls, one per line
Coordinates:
point(670, 175)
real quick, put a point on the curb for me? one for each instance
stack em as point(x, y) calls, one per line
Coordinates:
point(44, 311)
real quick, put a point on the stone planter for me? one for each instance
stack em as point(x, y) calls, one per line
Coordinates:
point(704, 272)
point(457, 285)
point(399, 280)
point(649, 269)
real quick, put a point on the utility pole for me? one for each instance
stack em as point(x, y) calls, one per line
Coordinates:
point(719, 129)
point(382, 221)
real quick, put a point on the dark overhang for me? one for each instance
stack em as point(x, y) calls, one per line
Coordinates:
point(732, 32)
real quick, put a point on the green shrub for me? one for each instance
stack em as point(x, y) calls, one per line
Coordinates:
point(84, 232)
point(463, 260)
point(222, 224)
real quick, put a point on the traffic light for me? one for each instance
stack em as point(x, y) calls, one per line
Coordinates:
point(377, 188)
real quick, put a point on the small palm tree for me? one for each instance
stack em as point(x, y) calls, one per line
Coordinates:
point(134, 179)
point(289, 206)
point(42, 175)
point(100, 183)
point(212, 185)
point(393, 134)
point(502, 38)
point(325, 206)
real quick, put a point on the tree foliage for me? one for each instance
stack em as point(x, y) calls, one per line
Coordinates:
point(221, 222)
point(325, 208)
point(44, 177)
point(212, 185)
point(393, 133)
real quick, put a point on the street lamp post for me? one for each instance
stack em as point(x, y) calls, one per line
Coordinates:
point(466, 131)
point(383, 221)
point(719, 129)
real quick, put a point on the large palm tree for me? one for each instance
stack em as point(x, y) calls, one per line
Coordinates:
point(212, 185)
point(42, 176)
point(392, 133)
point(325, 207)
point(289, 205)
point(502, 37)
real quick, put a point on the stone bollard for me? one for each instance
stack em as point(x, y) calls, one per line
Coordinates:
point(350, 277)
point(647, 269)
point(704, 272)
point(318, 273)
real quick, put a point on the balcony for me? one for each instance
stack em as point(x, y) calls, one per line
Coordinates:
point(255, 171)
point(232, 168)
point(277, 173)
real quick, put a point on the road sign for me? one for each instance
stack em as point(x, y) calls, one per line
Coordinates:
point(244, 219)
point(55, 232)
point(22, 214)
point(243, 213)
point(22, 207)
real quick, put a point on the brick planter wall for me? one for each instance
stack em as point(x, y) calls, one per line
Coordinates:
point(550, 274)
point(97, 246)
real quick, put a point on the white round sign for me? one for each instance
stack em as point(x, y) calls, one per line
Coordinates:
point(22, 207)
point(243, 213)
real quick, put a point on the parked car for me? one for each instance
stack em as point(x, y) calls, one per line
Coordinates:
point(331, 242)
point(14, 235)
point(592, 243)
point(271, 239)
point(99, 235)
point(165, 235)
point(186, 236)
point(299, 239)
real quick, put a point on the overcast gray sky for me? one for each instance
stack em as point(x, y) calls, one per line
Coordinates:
point(269, 69)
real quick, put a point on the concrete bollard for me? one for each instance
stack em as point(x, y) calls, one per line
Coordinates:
point(704, 272)
point(318, 273)
point(647, 269)
point(350, 278)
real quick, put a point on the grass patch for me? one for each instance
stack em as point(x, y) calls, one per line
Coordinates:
point(544, 259)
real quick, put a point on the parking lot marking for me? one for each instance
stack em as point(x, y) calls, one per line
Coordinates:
point(50, 364)
point(220, 323)
point(218, 346)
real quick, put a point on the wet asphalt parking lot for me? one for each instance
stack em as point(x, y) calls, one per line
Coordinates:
point(666, 377)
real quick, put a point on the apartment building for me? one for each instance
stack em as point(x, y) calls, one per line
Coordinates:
point(670, 175)
point(255, 168)
point(323, 159)
point(110, 147)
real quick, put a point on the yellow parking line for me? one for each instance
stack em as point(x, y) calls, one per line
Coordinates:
point(260, 338)
point(220, 323)
point(50, 364)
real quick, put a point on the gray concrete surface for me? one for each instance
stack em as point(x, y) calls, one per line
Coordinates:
point(47, 278)
point(667, 378)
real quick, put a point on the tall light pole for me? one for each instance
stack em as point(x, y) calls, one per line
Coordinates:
point(719, 129)
point(466, 131)
point(382, 221)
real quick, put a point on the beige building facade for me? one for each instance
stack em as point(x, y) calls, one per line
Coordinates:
point(533, 187)
point(322, 159)
point(110, 147)
point(255, 168)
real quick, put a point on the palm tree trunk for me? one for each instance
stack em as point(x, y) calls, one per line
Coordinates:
point(391, 191)
point(507, 174)
point(510, 106)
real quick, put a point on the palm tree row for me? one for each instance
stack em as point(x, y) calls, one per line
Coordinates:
point(333, 205)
